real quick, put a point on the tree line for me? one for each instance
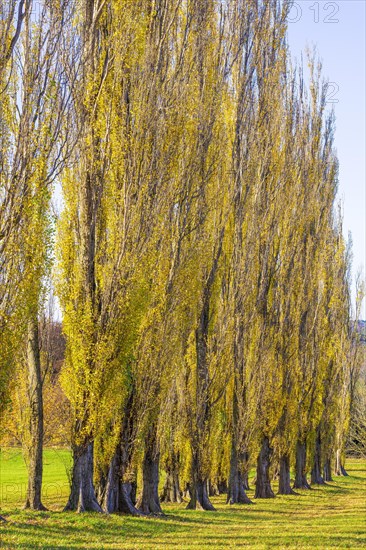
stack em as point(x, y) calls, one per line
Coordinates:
point(198, 256)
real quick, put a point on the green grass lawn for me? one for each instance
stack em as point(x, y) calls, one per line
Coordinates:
point(333, 516)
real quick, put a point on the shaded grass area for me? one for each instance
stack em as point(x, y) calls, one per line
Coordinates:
point(332, 516)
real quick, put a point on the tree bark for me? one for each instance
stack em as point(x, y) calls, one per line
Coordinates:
point(217, 488)
point(82, 496)
point(316, 472)
point(285, 482)
point(119, 494)
point(263, 484)
point(327, 471)
point(245, 473)
point(212, 489)
point(198, 487)
point(35, 392)
point(199, 497)
point(171, 491)
point(237, 481)
point(223, 486)
point(344, 471)
point(300, 466)
point(236, 491)
point(149, 500)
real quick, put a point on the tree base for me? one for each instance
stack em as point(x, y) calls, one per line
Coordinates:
point(36, 507)
point(236, 492)
point(284, 477)
point(263, 484)
point(303, 485)
point(199, 498)
point(82, 497)
point(316, 472)
point(244, 499)
point(264, 494)
point(150, 508)
point(202, 506)
point(118, 499)
point(327, 471)
point(317, 479)
point(115, 495)
point(287, 491)
point(301, 481)
point(171, 491)
point(246, 481)
point(148, 502)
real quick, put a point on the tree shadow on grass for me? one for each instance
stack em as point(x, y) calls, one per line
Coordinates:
point(137, 535)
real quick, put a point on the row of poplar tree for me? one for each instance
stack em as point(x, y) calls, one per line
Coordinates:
point(198, 257)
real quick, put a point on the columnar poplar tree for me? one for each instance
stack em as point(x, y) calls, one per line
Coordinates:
point(286, 286)
point(244, 126)
point(213, 188)
point(267, 207)
point(84, 186)
point(43, 108)
point(34, 98)
point(260, 65)
point(319, 186)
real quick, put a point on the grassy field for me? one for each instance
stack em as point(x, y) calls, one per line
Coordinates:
point(333, 516)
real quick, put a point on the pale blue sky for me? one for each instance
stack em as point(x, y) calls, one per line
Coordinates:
point(338, 31)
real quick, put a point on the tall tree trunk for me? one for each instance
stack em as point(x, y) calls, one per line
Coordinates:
point(35, 392)
point(327, 471)
point(171, 491)
point(198, 487)
point(316, 472)
point(236, 491)
point(82, 496)
point(90, 191)
point(263, 485)
point(300, 466)
point(285, 482)
point(118, 495)
point(119, 492)
point(149, 500)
